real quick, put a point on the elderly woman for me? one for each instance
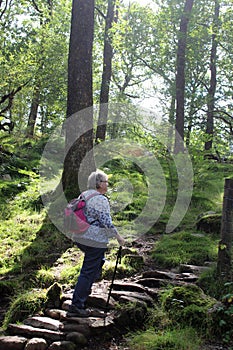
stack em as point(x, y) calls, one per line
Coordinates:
point(93, 242)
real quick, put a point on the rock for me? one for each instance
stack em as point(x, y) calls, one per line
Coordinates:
point(153, 282)
point(66, 304)
point(131, 317)
point(128, 286)
point(79, 320)
point(62, 345)
point(129, 299)
point(12, 343)
point(192, 268)
point(209, 223)
point(43, 322)
point(123, 295)
point(56, 314)
point(6, 177)
point(104, 325)
point(153, 292)
point(134, 260)
point(100, 302)
point(75, 327)
point(159, 274)
point(53, 296)
point(36, 344)
point(187, 277)
point(77, 338)
point(32, 332)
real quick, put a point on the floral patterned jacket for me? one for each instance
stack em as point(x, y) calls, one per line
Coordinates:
point(98, 215)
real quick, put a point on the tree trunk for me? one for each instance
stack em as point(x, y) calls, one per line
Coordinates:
point(171, 120)
point(213, 81)
point(33, 112)
point(225, 245)
point(180, 77)
point(79, 124)
point(44, 19)
point(106, 75)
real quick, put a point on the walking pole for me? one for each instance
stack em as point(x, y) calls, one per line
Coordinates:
point(113, 277)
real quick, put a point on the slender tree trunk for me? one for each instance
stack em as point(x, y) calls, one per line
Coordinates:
point(106, 75)
point(225, 245)
point(171, 123)
point(79, 125)
point(213, 80)
point(33, 112)
point(180, 76)
point(36, 92)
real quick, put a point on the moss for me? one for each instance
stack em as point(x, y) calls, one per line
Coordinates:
point(24, 305)
point(210, 223)
point(187, 305)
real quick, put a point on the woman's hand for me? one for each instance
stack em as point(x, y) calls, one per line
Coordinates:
point(120, 239)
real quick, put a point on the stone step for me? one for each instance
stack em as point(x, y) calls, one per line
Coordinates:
point(31, 332)
point(59, 329)
point(43, 322)
point(123, 295)
point(12, 342)
point(159, 274)
point(128, 286)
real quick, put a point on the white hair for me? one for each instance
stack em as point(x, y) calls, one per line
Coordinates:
point(95, 178)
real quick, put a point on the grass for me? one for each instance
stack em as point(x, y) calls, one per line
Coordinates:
point(185, 248)
point(28, 303)
point(34, 255)
point(169, 339)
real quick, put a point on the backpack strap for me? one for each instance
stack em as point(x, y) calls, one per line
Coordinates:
point(90, 195)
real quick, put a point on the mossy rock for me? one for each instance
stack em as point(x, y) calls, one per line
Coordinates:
point(24, 305)
point(134, 260)
point(53, 296)
point(209, 223)
point(187, 305)
point(131, 316)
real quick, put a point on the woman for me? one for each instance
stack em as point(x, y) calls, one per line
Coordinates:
point(94, 241)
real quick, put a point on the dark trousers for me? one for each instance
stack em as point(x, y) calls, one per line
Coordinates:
point(90, 271)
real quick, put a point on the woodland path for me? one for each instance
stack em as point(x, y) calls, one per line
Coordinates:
point(56, 328)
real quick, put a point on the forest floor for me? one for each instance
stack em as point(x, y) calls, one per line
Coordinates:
point(117, 341)
point(143, 247)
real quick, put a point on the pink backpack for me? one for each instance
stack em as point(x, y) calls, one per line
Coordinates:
point(75, 220)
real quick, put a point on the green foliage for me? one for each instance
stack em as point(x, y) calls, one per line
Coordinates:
point(187, 305)
point(184, 248)
point(212, 284)
point(169, 339)
point(208, 190)
point(28, 303)
point(70, 273)
point(220, 318)
point(44, 277)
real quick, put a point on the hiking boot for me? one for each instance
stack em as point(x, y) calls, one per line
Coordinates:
point(78, 312)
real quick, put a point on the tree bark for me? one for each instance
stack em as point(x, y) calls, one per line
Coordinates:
point(213, 81)
point(180, 76)
point(79, 129)
point(225, 245)
point(106, 75)
point(33, 112)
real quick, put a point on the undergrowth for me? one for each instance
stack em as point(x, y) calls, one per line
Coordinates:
point(34, 254)
point(169, 339)
point(185, 248)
